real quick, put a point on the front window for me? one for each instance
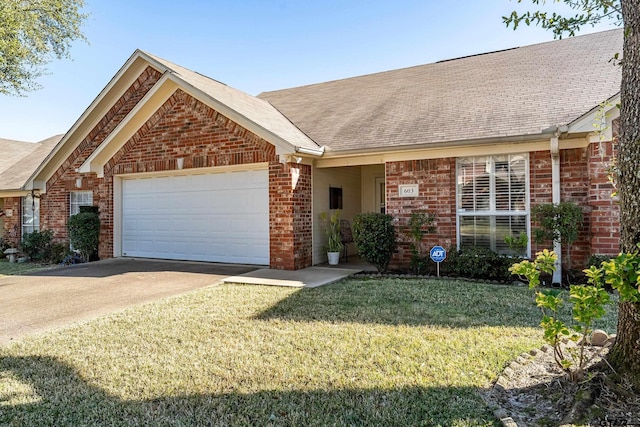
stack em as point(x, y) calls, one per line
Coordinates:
point(30, 214)
point(493, 201)
point(79, 198)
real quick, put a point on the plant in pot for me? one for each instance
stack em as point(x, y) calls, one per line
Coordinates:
point(334, 240)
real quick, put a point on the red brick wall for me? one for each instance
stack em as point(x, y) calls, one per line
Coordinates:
point(436, 193)
point(605, 211)
point(12, 224)
point(583, 180)
point(574, 187)
point(290, 216)
point(54, 205)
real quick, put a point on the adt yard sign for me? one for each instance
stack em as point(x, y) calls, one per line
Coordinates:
point(438, 254)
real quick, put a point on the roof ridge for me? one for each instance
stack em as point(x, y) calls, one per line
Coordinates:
point(439, 61)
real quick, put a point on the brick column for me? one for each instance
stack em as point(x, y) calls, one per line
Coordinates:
point(290, 217)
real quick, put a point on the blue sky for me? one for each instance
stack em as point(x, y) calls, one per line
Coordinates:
point(257, 46)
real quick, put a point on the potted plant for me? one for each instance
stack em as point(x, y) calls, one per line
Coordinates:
point(334, 240)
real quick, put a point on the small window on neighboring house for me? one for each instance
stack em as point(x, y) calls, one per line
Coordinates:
point(492, 201)
point(30, 214)
point(79, 198)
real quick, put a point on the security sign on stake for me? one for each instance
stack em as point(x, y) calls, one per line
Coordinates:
point(438, 254)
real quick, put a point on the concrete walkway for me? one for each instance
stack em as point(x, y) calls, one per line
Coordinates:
point(311, 277)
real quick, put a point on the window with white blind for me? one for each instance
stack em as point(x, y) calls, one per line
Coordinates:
point(30, 214)
point(79, 198)
point(492, 201)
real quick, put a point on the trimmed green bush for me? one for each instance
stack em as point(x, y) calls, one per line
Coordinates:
point(84, 232)
point(37, 245)
point(479, 263)
point(375, 238)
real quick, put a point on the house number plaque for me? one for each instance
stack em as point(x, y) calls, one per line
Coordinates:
point(408, 190)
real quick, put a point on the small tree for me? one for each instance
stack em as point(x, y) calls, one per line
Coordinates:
point(559, 222)
point(84, 232)
point(420, 224)
point(375, 238)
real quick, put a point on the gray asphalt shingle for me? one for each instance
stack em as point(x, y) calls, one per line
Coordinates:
point(514, 92)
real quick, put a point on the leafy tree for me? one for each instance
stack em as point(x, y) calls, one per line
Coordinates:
point(32, 33)
point(626, 352)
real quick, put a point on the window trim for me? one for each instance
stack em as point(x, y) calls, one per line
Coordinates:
point(492, 212)
point(31, 204)
point(72, 194)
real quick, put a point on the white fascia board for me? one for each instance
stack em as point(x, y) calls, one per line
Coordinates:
point(72, 135)
point(589, 122)
point(14, 193)
point(139, 115)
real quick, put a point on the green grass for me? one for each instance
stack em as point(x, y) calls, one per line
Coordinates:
point(12, 268)
point(359, 352)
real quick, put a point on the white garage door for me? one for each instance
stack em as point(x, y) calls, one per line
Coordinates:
point(221, 217)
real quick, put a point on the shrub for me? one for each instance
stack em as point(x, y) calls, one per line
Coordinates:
point(558, 222)
point(84, 232)
point(588, 305)
point(375, 238)
point(37, 245)
point(58, 252)
point(597, 260)
point(479, 263)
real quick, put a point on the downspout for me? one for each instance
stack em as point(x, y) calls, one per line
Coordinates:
point(555, 198)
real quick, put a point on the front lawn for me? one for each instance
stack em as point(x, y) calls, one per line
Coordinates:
point(359, 352)
point(11, 268)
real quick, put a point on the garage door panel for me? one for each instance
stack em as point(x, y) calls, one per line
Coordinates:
point(215, 217)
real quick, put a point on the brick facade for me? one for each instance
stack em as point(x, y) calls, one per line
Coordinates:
point(184, 127)
point(583, 180)
point(290, 216)
point(54, 205)
point(12, 224)
point(436, 179)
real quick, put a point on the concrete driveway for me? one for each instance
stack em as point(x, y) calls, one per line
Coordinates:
point(51, 299)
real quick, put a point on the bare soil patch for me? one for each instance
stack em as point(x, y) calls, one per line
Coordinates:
point(534, 391)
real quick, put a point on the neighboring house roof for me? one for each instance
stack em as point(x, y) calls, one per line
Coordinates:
point(20, 159)
point(510, 93)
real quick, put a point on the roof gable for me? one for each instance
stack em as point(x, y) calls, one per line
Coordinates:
point(250, 112)
point(511, 93)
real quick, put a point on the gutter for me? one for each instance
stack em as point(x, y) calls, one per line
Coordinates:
point(310, 151)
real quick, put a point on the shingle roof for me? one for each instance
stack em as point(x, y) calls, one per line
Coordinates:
point(514, 92)
point(257, 110)
point(20, 159)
